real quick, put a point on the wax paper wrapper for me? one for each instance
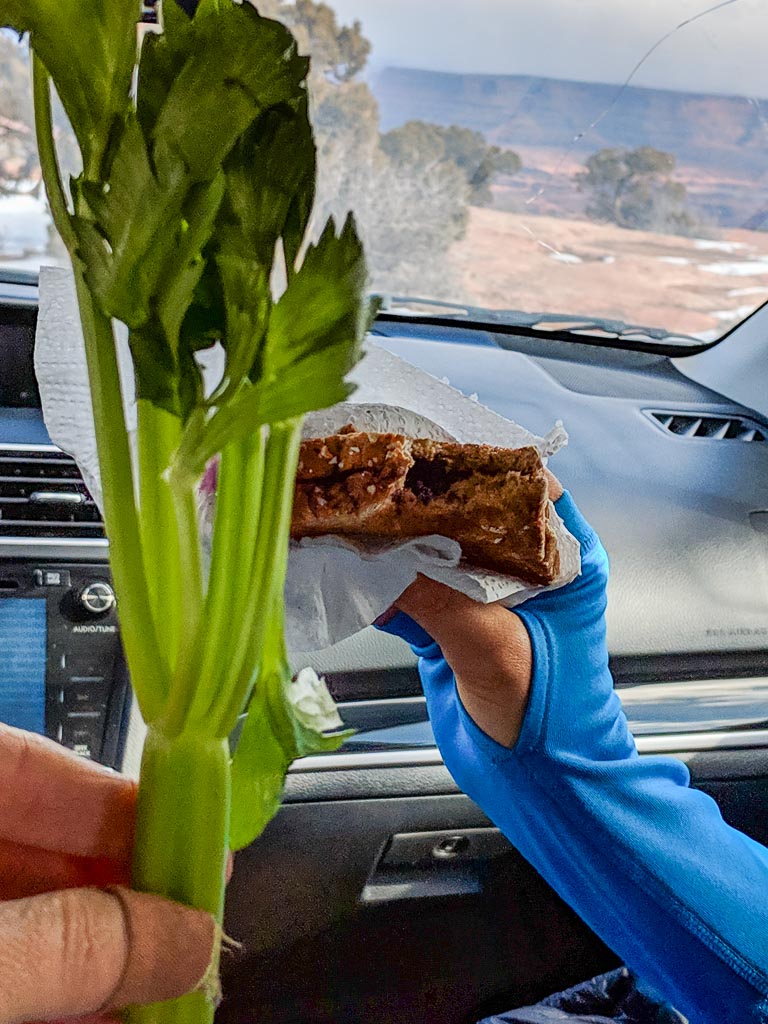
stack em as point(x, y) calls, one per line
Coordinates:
point(334, 587)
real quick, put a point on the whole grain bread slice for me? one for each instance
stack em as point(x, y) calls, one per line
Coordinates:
point(493, 501)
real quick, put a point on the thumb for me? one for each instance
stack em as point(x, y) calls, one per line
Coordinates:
point(80, 951)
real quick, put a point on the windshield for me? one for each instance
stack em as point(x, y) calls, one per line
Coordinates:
point(598, 162)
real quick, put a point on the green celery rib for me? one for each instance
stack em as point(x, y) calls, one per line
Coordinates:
point(190, 566)
point(253, 451)
point(267, 647)
point(46, 147)
point(158, 433)
point(181, 843)
point(236, 524)
point(149, 670)
point(266, 575)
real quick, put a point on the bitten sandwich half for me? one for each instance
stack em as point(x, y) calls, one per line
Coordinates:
point(389, 487)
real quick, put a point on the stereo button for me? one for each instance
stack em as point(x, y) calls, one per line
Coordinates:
point(83, 734)
point(86, 696)
point(52, 578)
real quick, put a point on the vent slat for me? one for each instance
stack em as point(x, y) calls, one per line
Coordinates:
point(711, 428)
point(12, 489)
point(12, 508)
point(53, 481)
point(30, 481)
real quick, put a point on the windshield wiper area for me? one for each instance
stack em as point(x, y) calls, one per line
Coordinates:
point(569, 323)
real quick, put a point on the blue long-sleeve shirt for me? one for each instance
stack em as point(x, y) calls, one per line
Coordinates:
point(647, 862)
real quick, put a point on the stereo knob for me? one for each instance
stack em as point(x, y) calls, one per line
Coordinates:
point(97, 598)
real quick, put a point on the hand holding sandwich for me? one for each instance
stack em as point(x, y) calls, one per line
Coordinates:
point(488, 649)
point(527, 720)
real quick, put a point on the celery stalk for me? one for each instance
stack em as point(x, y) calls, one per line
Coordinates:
point(198, 171)
point(182, 832)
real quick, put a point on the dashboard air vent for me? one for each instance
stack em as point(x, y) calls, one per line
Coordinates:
point(716, 428)
point(42, 494)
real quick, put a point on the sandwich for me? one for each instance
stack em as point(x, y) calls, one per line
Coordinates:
point(386, 487)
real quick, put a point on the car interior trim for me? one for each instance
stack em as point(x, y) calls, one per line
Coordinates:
point(48, 548)
point(669, 744)
point(652, 708)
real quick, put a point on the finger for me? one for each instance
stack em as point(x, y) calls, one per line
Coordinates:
point(554, 486)
point(28, 870)
point(90, 1018)
point(488, 649)
point(386, 617)
point(84, 951)
point(434, 606)
point(55, 800)
point(471, 634)
point(475, 638)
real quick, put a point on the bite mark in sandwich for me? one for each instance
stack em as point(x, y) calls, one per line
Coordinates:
point(389, 487)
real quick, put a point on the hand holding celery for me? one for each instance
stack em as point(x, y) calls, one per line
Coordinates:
point(197, 185)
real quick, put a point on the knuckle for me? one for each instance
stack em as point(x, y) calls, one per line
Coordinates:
point(91, 938)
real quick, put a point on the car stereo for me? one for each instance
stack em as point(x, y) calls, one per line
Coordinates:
point(62, 670)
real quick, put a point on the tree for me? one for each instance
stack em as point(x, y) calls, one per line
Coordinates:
point(634, 189)
point(410, 209)
point(339, 52)
point(408, 214)
point(422, 145)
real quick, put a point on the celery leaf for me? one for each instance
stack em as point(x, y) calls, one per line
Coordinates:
point(238, 65)
point(313, 339)
point(287, 719)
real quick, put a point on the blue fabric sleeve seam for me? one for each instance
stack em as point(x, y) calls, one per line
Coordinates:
point(533, 730)
point(663, 898)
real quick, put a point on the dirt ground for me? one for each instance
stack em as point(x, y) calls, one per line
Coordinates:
point(699, 287)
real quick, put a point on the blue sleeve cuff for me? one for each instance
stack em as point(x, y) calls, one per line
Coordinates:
point(575, 522)
point(402, 625)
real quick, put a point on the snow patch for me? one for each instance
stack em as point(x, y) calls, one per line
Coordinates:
point(707, 244)
point(733, 314)
point(749, 268)
point(736, 293)
point(676, 261)
point(565, 257)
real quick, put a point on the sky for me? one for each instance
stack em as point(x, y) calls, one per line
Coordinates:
point(586, 40)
